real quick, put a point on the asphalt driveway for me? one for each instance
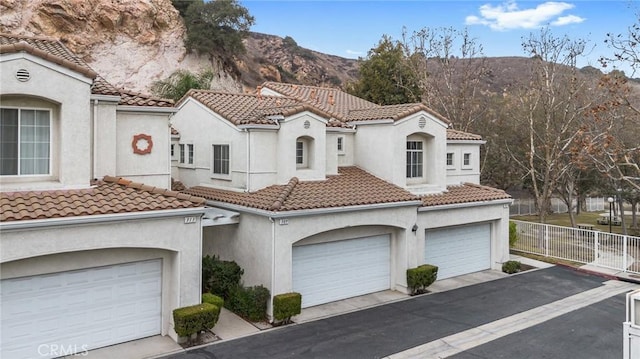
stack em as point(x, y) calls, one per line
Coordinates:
point(387, 329)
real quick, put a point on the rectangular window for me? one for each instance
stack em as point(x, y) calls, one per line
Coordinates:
point(190, 148)
point(221, 159)
point(466, 161)
point(450, 159)
point(182, 154)
point(25, 142)
point(340, 144)
point(414, 159)
point(172, 150)
point(299, 153)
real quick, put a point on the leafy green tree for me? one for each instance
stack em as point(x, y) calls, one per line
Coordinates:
point(181, 81)
point(384, 77)
point(217, 28)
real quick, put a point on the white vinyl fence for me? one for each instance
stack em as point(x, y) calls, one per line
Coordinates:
point(527, 206)
point(598, 248)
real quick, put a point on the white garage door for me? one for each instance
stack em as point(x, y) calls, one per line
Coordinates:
point(55, 314)
point(459, 250)
point(332, 271)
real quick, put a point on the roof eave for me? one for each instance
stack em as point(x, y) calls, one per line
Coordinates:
point(441, 207)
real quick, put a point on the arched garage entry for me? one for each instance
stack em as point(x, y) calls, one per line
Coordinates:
point(342, 264)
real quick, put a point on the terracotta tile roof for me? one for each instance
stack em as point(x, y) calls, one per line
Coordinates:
point(137, 99)
point(460, 135)
point(351, 187)
point(333, 101)
point(346, 107)
point(112, 195)
point(54, 51)
point(174, 132)
point(243, 109)
point(465, 193)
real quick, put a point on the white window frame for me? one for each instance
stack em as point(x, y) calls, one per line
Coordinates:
point(415, 159)
point(19, 144)
point(302, 152)
point(186, 154)
point(451, 164)
point(466, 161)
point(221, 173)
point(340, 145)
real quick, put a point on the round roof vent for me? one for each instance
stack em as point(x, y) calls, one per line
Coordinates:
point(23, 75)
point(422, 122)
point(307, 124)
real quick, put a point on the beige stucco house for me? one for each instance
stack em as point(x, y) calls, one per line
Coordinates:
point(89, 256)
point(337, 196)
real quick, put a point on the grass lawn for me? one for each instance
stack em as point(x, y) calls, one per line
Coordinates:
point(562, 219)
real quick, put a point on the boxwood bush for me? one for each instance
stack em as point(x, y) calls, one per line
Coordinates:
point(511, 267)
point(219, 277)
point(286, 305)
point(193, 319)
point(418, 279)
point(213, 299)
point(249, 302)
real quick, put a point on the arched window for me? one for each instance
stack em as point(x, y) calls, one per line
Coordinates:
point(304, 152)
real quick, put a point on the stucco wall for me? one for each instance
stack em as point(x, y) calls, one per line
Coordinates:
point(250, 244)
point(103, 115)
point(152, 168)
point(291, 129)
point(61, 248)
point(458, 173)
point(68, 93)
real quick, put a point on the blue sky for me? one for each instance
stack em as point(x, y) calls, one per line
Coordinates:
point(351, 28)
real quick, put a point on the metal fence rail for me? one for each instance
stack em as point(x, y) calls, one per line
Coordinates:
point(598, 248)
point(527, 206)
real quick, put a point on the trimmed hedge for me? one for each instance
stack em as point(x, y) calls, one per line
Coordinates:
point(249, 302)
point(219, 277)
point(511, 267)
point(213, 299)
point(421, 277)
point(286, 305)
point(193, 319)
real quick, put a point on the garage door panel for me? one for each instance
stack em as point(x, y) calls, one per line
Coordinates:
point(93, 307)
point(332, 271)
point(459, 250)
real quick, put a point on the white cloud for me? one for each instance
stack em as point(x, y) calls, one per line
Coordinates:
point(354, 53)
point(509, 16)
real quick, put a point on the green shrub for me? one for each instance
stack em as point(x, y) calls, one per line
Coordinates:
point(213, 299)
point(249, 303)
point(218, 277)
point(511, 267)
point(513, 234)
point(193, 319)
point(421, 277)
point(286, 306)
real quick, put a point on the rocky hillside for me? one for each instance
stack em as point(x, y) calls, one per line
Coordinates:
point(136, 42)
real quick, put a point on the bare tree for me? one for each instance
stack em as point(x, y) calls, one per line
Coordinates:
point(550, 111)
point(450, 67)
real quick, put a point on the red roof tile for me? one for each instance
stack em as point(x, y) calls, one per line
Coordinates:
point(351, 187)
point(346, 107)
point(243, 109)
point(465, 193)
point(460, 135)
point(112, 195)
point(54, 51)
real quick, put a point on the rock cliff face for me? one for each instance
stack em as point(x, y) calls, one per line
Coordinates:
point(133, 43)
point(130, 42)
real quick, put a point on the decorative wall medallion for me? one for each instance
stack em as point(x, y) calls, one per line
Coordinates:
point(142, 144)
point(307, 124)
